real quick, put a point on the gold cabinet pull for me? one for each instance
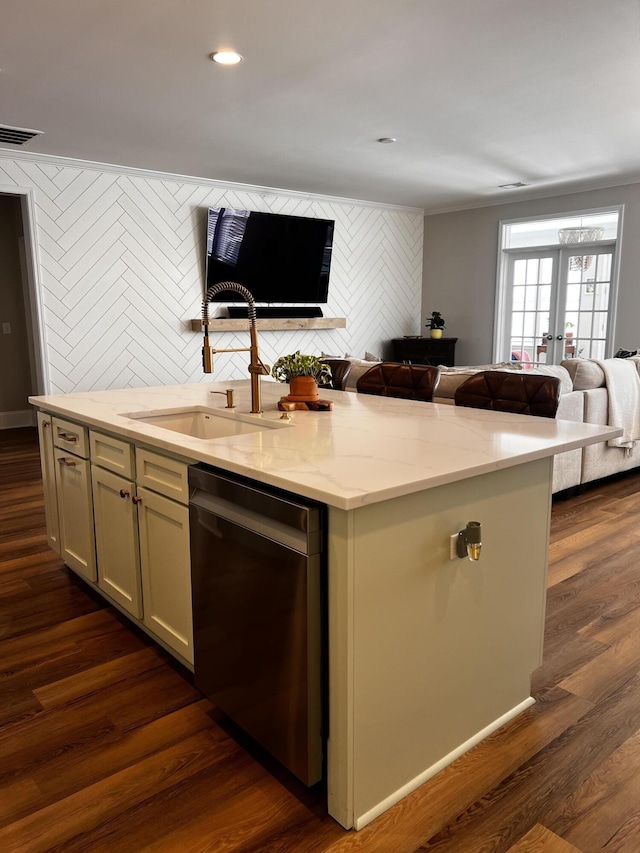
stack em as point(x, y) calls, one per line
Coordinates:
point(65, 436)
point(136, 500)
point(124, 493)
point(70, 463)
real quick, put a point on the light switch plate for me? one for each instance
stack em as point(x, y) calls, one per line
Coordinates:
point(6, 328)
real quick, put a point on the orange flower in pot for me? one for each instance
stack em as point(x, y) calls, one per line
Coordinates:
point(303, 373)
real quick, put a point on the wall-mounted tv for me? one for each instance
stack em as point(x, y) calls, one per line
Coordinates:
point(279, 258)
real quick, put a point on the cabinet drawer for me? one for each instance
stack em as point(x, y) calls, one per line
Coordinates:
point(112, 453)
point(71, 437)
point(162, 474)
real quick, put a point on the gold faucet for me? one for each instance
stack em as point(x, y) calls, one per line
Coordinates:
point(257, 367)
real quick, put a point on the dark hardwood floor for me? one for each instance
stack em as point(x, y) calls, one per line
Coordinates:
point(105, 745)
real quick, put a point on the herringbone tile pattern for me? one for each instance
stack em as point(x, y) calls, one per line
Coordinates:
point(122, 268)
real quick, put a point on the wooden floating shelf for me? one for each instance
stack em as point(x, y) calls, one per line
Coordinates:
point(282, 324)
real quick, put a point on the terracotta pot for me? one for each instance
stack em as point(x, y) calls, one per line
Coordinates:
point(436, 333)
point(302, 389)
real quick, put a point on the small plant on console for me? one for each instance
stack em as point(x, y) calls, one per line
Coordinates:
point(436, 323)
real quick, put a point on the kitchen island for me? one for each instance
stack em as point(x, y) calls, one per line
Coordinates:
point(427, 654)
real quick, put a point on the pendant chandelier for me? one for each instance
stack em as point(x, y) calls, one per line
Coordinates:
point(580, 235)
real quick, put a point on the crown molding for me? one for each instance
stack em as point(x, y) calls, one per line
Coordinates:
point(10, 154)
point(630, 180)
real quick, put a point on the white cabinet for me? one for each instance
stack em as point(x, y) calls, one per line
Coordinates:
point(67, 492)
point(116, 529)
point(166, 570)
point(142, 537)
point(48, 465)
point(73, 492)
point(120, 519)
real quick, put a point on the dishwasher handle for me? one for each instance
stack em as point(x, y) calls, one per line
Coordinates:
point(304, 542)
point(283, 508)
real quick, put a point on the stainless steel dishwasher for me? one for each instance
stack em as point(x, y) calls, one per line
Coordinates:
point(258, 580)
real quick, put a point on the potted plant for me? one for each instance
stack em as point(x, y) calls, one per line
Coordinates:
point(303, 373)
point(568, 325)
point(436, 323)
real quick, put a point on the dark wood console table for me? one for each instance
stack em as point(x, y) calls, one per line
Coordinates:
point(425, 350)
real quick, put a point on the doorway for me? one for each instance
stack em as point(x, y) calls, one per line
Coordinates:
point(21, 346)
point(558, 301)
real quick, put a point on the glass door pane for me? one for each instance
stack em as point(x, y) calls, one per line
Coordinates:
point(585, 290)
point(531, 308)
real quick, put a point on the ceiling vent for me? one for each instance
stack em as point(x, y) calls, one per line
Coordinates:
point(16, 135)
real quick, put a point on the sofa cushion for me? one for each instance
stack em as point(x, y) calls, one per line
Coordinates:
point(476, 368)
point(408, 381)
point(557, 370)
point(452, 377)
point(358, 367)
point(340, 369)
point(585, 374)
point(505, 391)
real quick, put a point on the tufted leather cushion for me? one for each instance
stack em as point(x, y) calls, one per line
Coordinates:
point(408, 381)
point(520, 393)
point(340, 368)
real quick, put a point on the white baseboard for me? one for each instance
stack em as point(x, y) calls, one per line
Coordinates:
point(12, 420)
point(421, 778)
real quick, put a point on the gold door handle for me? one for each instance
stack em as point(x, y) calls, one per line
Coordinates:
point(46, 423)
point(124, 493)
point(136, 500)
point(68, 462)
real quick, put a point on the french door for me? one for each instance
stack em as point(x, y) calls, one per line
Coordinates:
point(557, 303)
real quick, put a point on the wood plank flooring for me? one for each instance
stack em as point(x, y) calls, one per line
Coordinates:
point(105, 744)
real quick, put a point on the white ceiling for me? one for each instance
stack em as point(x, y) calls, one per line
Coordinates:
point(478, 92)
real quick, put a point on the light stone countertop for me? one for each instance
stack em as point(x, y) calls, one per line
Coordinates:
point(367, 449)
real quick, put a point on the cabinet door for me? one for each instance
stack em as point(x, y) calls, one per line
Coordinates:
point(116, 526)
point(166, 570)
point(48, 466)
point(75, 513)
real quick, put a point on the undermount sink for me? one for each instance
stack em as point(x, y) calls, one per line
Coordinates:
point(201, 422)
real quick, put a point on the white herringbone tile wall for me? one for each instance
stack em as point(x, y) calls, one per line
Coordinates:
point(122, 259)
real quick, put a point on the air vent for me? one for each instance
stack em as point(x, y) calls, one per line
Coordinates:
point(16, 135)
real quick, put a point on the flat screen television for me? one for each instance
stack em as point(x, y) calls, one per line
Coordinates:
point(279, 258)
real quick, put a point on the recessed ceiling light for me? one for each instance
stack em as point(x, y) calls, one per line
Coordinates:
point(387, 140)
point(512, 186)
point(226, 57)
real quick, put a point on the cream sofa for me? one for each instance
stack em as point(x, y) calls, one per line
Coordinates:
point(599, 460)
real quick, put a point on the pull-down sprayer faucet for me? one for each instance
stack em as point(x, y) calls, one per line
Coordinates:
point(257, 367)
